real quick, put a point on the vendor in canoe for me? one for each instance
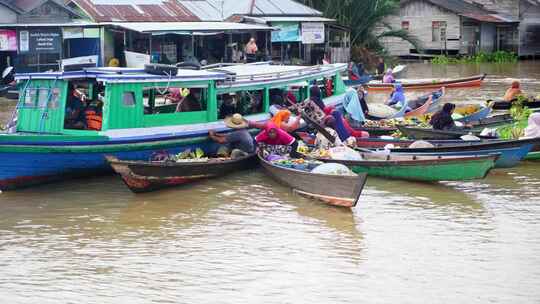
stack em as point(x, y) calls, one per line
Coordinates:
point(335, 125)
point(513, 92)
point(277, 141)
point(239, 141)
point(389, 77)
point(397, 97)
point(442, 120)
point(282, 120)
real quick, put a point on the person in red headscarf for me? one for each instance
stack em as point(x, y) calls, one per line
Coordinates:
point(513, 92)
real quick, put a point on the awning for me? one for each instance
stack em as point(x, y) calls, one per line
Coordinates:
point(298, 19)
point(185, 27)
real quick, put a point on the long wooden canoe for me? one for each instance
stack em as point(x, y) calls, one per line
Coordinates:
point(335, 190)
point(511, 151)
point(419, 107)
point(473, 81)
point(504, 105)
point(421, 168)
point(145, 176)
point(425, 133)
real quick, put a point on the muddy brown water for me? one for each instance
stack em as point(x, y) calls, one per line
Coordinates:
point(246, 239)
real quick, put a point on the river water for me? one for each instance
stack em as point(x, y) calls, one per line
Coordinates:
point(246, 239)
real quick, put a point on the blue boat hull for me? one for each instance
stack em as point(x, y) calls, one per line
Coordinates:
point(508, 157)
point(30, 168)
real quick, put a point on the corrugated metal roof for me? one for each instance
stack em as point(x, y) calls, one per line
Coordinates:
point(25, 6)
point(469, 10)
point(213, 10)
point(162, 27)
point(298, 19)
point(135, 10)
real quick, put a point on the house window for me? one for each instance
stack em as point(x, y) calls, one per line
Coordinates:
point(405, 25)
point(128, 99)
point(438, 31)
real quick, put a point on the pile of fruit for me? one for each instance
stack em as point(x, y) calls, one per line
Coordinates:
point(466, 110)
point(189, 156)
point(297, 163)
point(384, 123)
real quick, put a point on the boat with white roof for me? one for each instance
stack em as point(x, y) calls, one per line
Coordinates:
point(131, 114)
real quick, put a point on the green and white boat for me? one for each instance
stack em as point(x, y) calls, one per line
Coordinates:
point(138, 118)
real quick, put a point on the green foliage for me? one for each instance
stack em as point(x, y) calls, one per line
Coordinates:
point(364, 18)
point(520, 113)
point(496, 57)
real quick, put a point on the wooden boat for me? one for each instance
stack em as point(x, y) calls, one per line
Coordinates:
point(421, 168)
point(419, 107)
point(511, 151)
point(482, 113)
point(335, 190)
point(44, 149)
point(425, 133)
point(396, 71)
point(473, 81)
point(145, 176)
point(504, 105)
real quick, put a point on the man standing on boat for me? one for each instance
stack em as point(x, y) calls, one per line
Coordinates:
point(251, 50)
point(239, 142)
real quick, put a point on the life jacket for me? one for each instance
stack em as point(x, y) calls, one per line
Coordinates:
point(93, 120)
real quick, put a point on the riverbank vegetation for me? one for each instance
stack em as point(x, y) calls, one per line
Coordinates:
point(496, 57)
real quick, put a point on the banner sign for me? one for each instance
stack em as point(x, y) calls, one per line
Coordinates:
point(40, 41)
point(288, 32)
point(8, 40)
point(312, 32)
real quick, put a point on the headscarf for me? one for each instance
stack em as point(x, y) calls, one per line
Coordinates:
point(281, 117)
point(352, 105)
point(388, 77)
point(533, 127)
point(340, 127)
point(315, 96)
point(283, 138)
point(398, 96)
point(442, 120)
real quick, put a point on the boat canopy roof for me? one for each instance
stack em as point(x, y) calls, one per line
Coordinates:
point(111, 75)
point(234, 75)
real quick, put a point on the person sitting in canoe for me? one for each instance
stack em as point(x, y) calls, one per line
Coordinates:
point(335, 126)
point(533, 127)
point(388, 77)
point(442, 120)
point(513, 92)
point(282, 119)
point(397, 97)
point(276, 141)
point(239, 142)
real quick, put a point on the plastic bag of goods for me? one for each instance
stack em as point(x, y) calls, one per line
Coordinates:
point(333, 169)
point(344, 153)
point(469, 137)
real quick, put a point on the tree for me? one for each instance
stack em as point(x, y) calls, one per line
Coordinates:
point(366, 19)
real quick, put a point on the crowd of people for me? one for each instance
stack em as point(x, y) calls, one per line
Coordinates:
point(334, 128)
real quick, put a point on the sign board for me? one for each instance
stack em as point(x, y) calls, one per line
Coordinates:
point(73, 32)
point(83, 60)
point(136, 60)
point(312, 32)
point(288, 32)
point(40, 41)
point(8, 40)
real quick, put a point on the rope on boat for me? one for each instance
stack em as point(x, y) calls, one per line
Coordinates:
point(167, 87)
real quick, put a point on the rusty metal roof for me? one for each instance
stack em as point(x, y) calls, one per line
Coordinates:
point(215, 10)
point(135, 10)
point(469, 10)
